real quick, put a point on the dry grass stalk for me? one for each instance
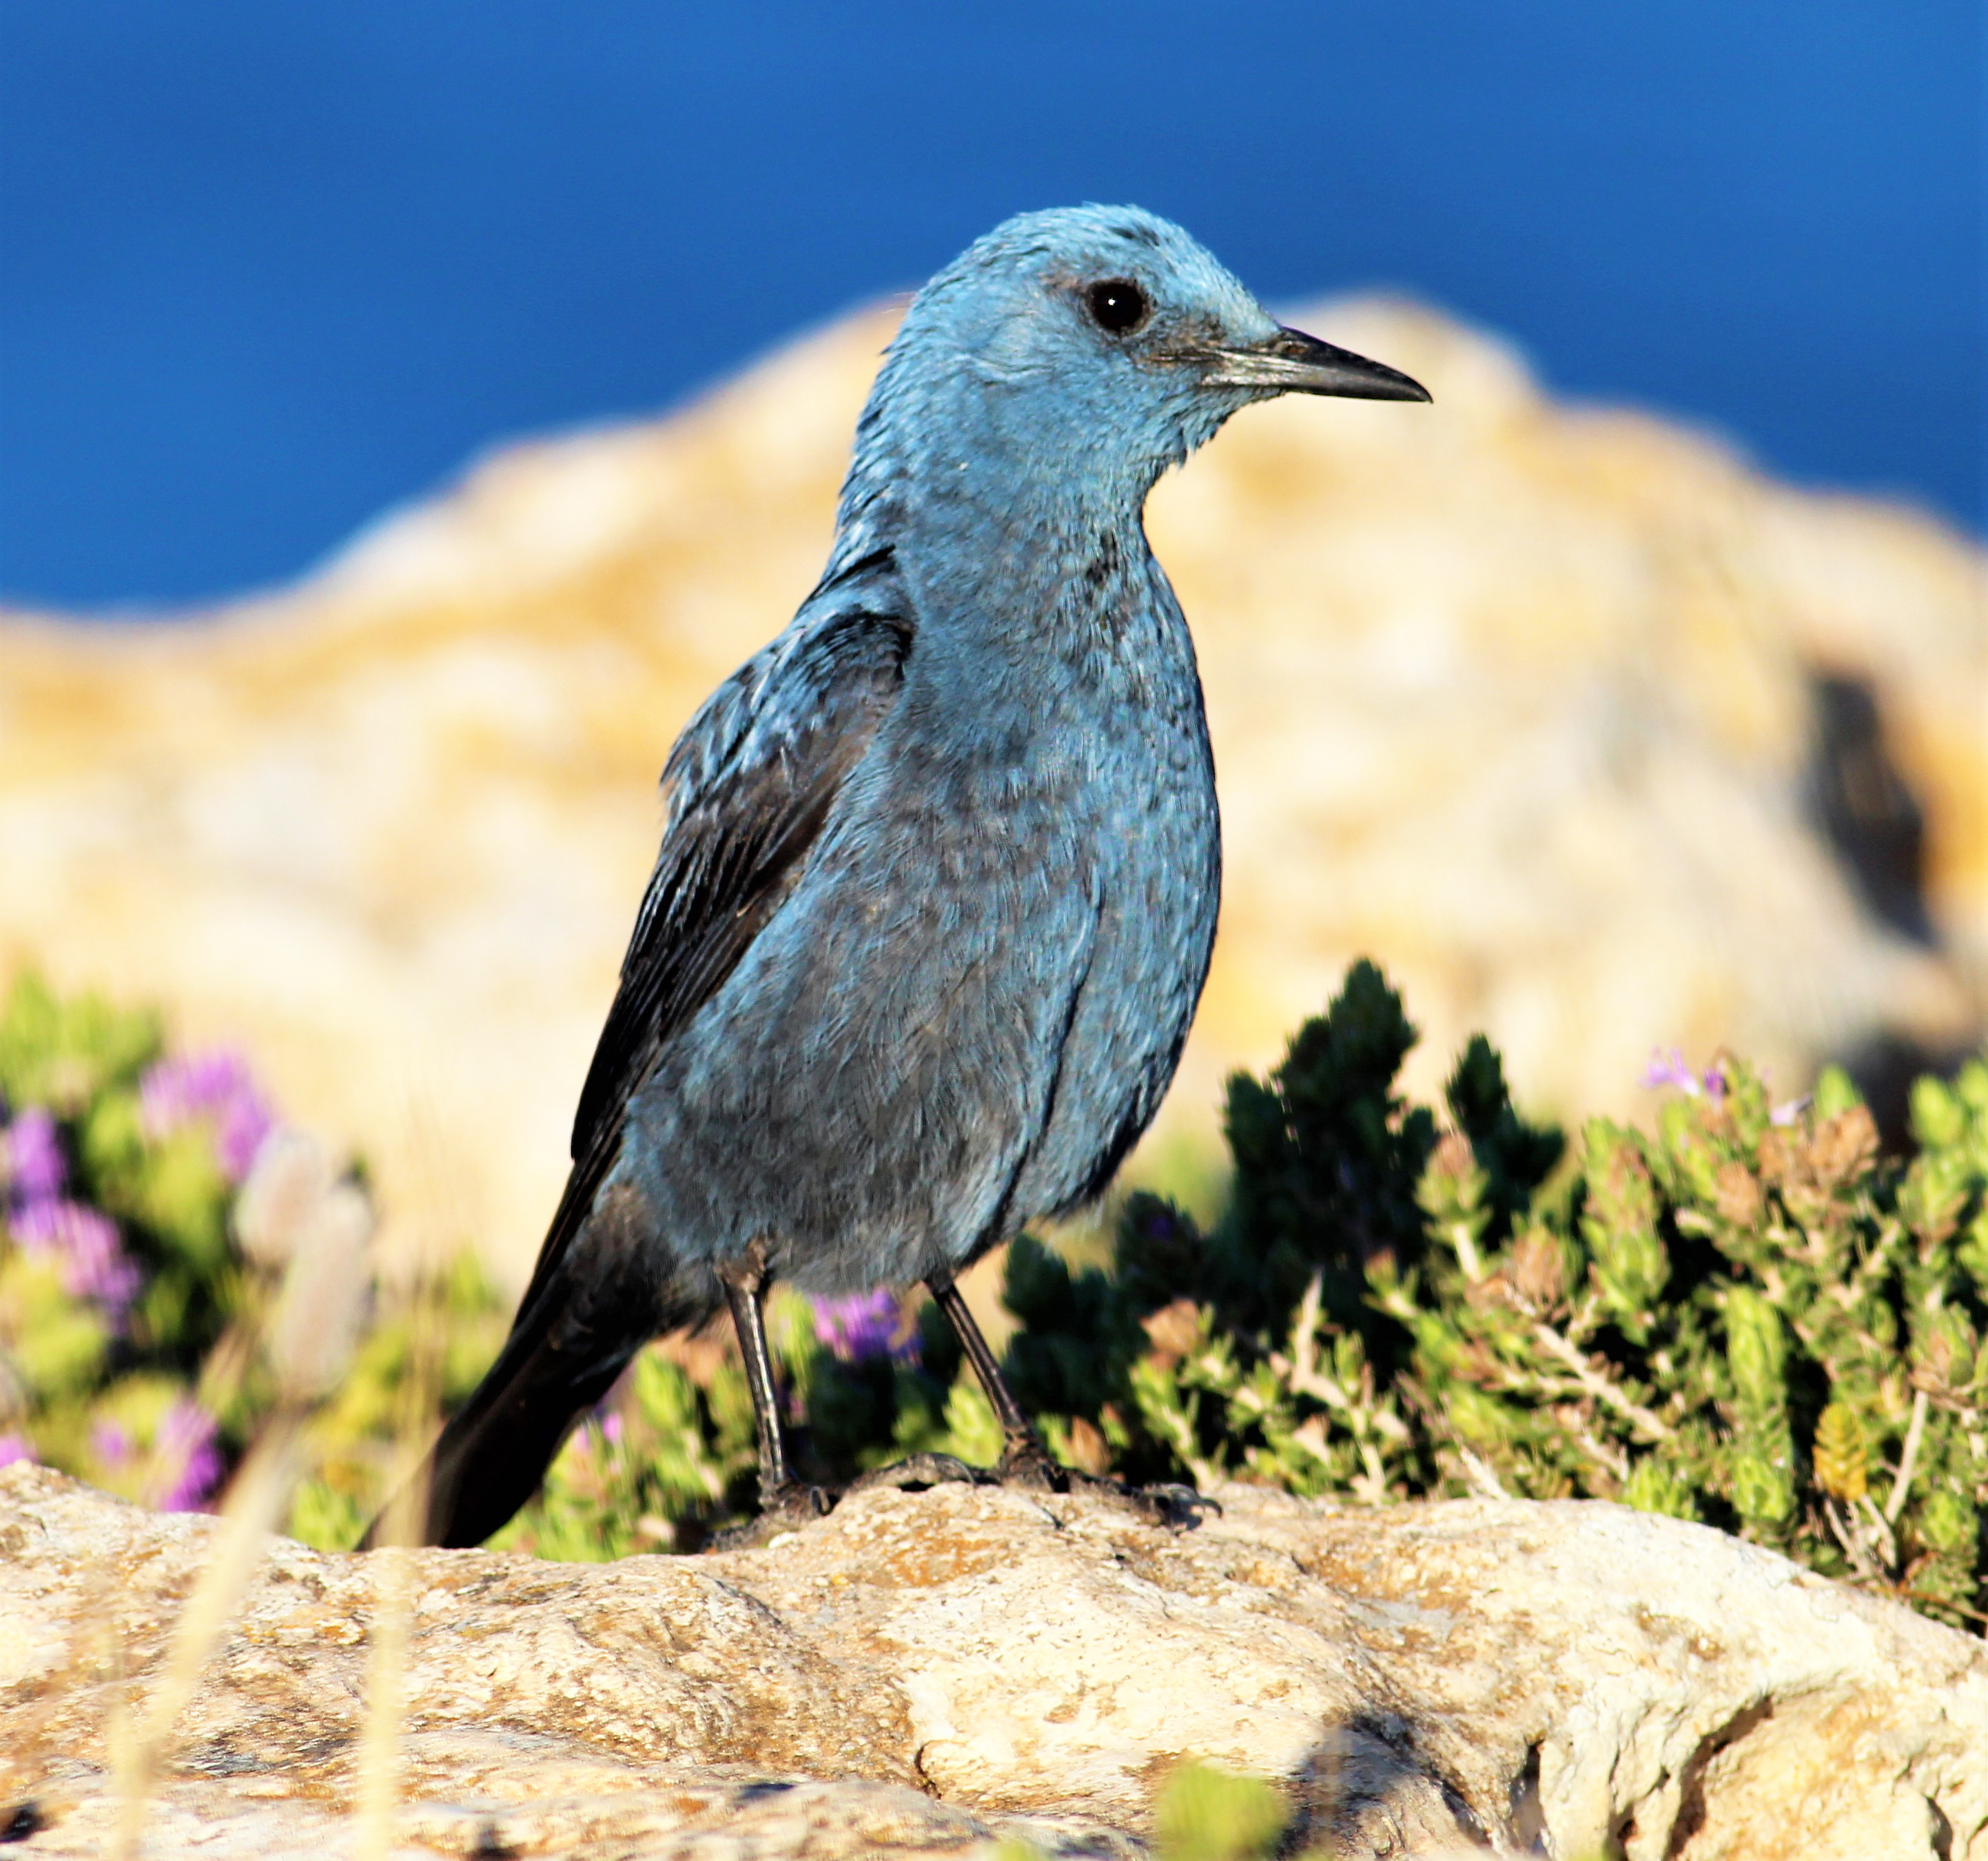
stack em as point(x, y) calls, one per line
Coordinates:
point(309, 1339)
point(400, 1528)
point(418, 1410)
point(255, 1502)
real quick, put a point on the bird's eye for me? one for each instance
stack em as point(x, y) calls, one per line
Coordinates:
point(1118, 305)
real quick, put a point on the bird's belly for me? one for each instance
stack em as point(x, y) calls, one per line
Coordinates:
point(1155, 935)
point(967, 1009)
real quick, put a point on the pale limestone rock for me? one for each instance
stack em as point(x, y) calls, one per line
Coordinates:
point(1511, 696)
point(918, 1673)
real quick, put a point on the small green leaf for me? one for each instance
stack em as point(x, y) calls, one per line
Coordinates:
point(1204, 1814)
point(1652, 1486)
point(973, 1432)
point(1839, 1452)
point(1763, 1494)
point(1835, 1093)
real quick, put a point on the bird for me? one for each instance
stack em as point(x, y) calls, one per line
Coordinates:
point(940, 866)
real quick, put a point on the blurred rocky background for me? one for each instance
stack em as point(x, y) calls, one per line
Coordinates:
point(1599, 739)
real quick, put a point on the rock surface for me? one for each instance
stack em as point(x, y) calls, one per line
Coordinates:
point(1517, 697)
point(920, 1673)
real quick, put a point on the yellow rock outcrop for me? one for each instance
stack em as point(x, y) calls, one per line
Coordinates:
point(919, 1672)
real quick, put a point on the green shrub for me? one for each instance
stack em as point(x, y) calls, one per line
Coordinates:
point(1747, 1316)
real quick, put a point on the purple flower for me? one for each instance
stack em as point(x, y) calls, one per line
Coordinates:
point(35, 1159)
point(860, 1325)
point(189, 1462)
point(215, 1087)
point(110, 1442)
point(1670, 1071)
point(94, 1266)
point(16, 1448)
point(610, 1429)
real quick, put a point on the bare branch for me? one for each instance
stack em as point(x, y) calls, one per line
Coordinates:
point(1598, 1385)
point(1914, 1429)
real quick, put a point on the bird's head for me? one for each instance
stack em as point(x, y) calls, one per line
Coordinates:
point(1099, 343)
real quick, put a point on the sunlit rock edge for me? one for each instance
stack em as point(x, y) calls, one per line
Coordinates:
point(911, 1672)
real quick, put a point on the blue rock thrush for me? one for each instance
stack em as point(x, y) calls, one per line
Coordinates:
point(938, 878)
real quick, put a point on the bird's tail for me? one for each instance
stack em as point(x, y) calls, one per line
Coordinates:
point(592, 1305)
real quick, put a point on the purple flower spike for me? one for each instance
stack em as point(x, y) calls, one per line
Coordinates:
point(1670, 1071)
point(860, 1325)
point(191, 1461)
point(1715, 1084)
point(243, 1128)
point(35, 1160)
point(16, 1448)
point(110, 1442)
point(94, 1266)
point(215, 1088)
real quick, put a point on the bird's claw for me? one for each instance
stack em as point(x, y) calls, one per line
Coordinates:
point(1026, 1462)
point(786, 1508)
point(915, 1472)
point(1180, 1508)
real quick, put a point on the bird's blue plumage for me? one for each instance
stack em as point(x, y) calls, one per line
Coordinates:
point(939, 880)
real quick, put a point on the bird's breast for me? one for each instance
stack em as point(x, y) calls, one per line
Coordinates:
point(1076, 776)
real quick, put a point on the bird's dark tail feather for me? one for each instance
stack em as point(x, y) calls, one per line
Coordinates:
point(495, 1450)
point(575, 1332)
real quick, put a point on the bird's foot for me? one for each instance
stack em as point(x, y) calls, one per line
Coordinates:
point(1026, 1462)
point(915, 1472)
point(786, 1508)
point(1179, 1508)
point(796, 1504)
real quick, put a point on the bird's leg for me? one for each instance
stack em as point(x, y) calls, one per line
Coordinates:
point(783, 1500)
point(1024, 1460)
point(744, 1281)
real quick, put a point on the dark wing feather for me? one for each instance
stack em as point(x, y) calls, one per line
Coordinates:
point(748, 786)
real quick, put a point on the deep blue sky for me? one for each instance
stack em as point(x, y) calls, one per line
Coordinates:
point(267, 268)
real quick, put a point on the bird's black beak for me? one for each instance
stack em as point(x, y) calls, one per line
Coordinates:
point(1293, 363)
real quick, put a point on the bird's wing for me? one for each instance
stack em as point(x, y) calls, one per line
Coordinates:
point(747, 787)
point(746, 790)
